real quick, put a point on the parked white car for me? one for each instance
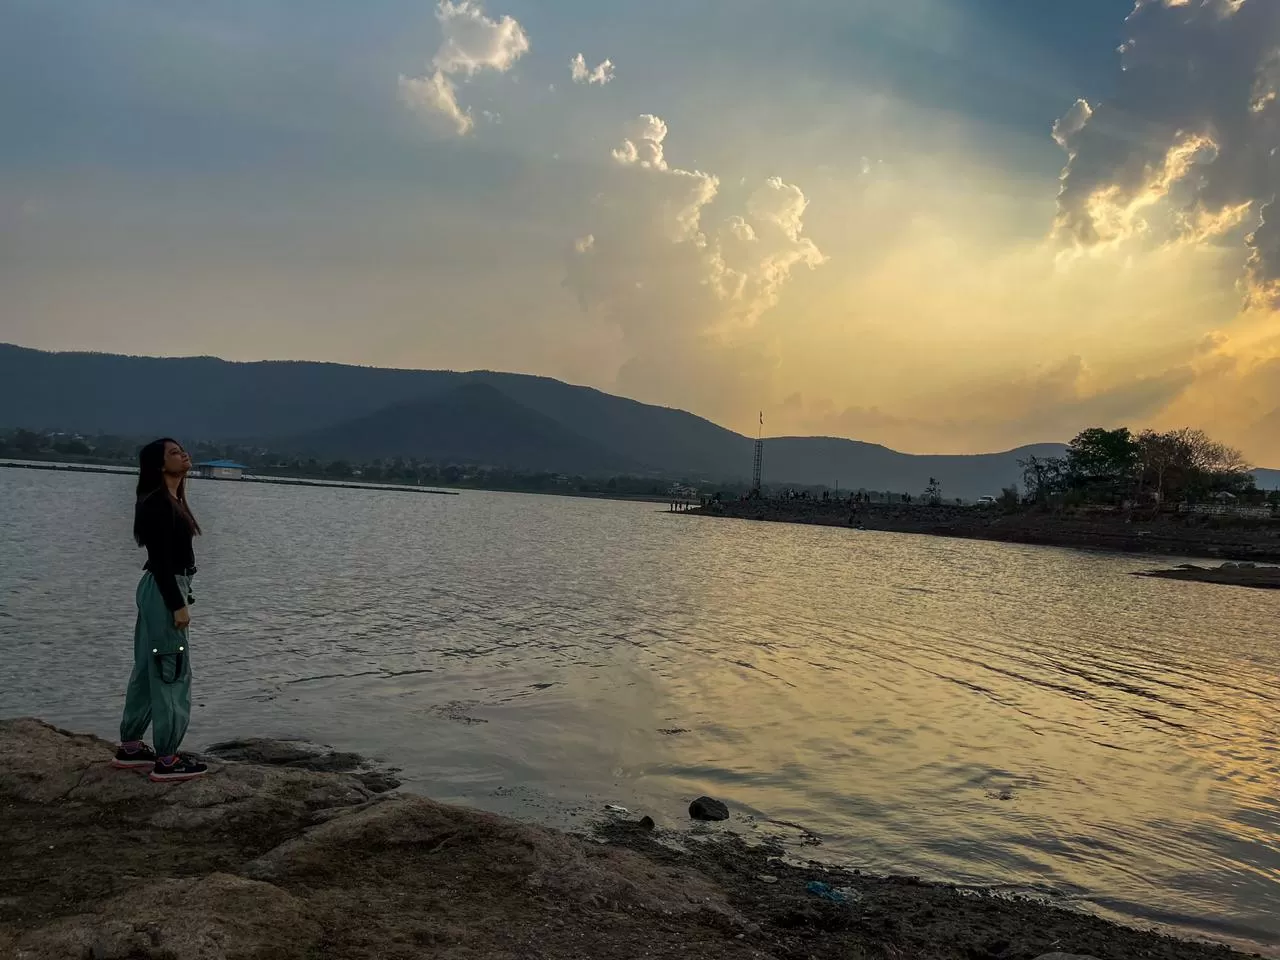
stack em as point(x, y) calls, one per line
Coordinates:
point(985, 502)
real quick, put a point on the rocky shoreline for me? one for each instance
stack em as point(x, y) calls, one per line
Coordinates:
point(275, 859)
point(1193, 535)
point(1229, 574)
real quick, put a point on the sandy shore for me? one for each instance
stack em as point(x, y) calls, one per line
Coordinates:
point(275, 860)
point(1186, 536)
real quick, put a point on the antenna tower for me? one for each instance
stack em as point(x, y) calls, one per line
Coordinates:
point(759, 459)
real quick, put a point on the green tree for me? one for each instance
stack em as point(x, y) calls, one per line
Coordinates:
point(1103, 458)
point(27, 444)
point(73, 447)
point(933, 492)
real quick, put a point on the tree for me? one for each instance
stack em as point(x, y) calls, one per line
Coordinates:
point(933, 492)
point(1188, 462)
point(1106, 458)
point(1043, 477)
point(1215, 466)
point(73, 447)
point(1158, 455)
point(26, 442)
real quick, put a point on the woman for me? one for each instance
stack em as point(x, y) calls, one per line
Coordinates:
point(160, 688)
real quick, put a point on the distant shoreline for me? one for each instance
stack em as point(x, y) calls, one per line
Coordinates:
point(283, 481)
point(115, 468)
point(1222, 538)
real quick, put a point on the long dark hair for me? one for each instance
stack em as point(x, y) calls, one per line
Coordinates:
point(151, 482)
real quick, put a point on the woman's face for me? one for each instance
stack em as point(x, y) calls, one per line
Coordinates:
point(177, 462)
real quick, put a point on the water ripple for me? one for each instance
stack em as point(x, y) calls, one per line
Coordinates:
point(1000, 716)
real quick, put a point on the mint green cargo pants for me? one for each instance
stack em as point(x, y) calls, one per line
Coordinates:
point(160, 687)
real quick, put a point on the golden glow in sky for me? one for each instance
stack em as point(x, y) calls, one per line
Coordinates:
point(725, 217)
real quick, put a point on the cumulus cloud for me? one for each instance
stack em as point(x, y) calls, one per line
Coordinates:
point(684, 280)
point(598, 75)
point(643, 143)
point(1186, 149)
point(435, 95)
point(755, 254)
point(471, 42)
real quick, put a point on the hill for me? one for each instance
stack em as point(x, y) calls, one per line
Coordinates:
point(1268, 479)
point(500, 419)
point(471, 423)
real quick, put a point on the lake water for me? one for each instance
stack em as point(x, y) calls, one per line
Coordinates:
point(979, 712)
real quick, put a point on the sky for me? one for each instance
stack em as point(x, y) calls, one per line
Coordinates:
point(947, 226)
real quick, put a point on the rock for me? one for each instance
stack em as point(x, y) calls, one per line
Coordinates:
point(706, 808)
point(646, 823)
point(282, 862)
point(41, 764)
point(418, 837)
point(1064, 956)
point(210, 918)
point(302, 755)
point(765, 878)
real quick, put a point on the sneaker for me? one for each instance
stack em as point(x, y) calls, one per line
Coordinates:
point(140, 757)
point(179, 769)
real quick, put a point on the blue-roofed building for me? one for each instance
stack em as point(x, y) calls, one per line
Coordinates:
point(220, 470)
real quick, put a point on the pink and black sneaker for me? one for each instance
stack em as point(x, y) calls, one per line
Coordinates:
point(176, 769)
point(134, 756)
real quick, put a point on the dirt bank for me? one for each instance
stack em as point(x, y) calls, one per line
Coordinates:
point(1229, 574)
point(282, 862)
point(1177, 535)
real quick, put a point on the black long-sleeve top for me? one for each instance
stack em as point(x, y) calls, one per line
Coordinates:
point(165, 533)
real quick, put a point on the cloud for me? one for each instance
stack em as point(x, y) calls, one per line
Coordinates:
point(601, 74)
point(686, 273)
point(754, 256)
point(1186, 149)
point(1050, 403)
point(436, 96)
point(643, 144)
point(472, 42)
point(1236, 393)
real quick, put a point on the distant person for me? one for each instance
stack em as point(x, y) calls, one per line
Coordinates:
point(159, 692)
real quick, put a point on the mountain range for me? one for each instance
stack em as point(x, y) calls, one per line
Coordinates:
point(497, 419)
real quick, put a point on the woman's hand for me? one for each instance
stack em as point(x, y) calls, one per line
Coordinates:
point(182, 618)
